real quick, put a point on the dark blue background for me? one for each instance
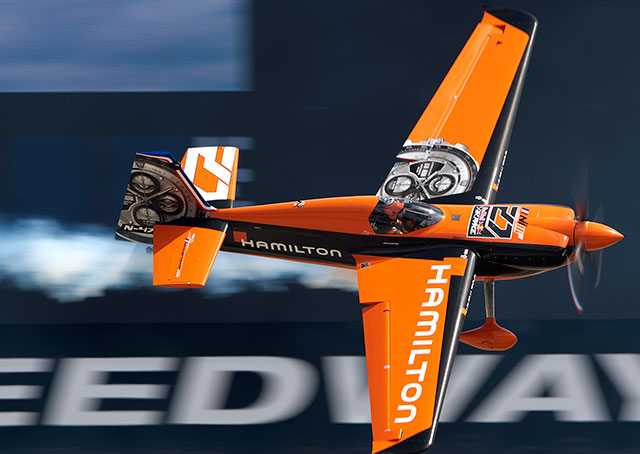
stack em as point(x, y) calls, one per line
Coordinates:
point(338, 87)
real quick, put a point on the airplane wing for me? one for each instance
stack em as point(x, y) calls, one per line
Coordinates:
point(413, 312)
point(456, 151)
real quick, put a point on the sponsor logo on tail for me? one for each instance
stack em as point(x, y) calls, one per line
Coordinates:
point(213, 171)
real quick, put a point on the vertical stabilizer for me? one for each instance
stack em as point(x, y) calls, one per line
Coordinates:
point(158, 192)
point(213, 171)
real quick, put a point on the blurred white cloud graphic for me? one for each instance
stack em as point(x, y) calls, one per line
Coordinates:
point(72, 263)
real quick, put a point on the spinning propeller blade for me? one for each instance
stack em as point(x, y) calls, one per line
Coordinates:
point(591, 237)
point(580, 190)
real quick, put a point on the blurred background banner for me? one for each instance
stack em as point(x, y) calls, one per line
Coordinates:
point(117, 45)
point(319, 97)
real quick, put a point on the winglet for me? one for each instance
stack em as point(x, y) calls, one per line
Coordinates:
point(523, 20)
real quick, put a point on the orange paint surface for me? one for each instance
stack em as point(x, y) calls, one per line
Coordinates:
point(466, 106)
point(403, 326)
point(212, 177)
point(183, 255)
point(204, 179)
point(336, 214)
point(548, 225)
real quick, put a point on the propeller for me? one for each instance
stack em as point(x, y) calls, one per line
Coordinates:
point(585, 267)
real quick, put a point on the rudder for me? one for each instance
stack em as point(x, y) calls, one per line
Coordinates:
point(213, 171)
point(158, 192)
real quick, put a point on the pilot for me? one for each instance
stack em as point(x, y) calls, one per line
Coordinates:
point(394, 210)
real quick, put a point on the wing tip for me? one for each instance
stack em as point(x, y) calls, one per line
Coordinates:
point(520, 19)
point(419, 443)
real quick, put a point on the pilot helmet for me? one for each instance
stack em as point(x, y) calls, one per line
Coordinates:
point(393, 207)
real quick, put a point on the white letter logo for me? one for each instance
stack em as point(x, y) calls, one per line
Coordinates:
point(213, 174)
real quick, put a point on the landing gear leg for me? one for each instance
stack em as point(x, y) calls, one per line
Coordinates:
point(489, 336)
point(490, 299)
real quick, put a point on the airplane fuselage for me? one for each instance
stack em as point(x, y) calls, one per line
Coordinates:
point(511, 240)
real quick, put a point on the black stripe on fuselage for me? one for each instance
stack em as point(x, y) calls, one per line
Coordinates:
point(205, 223)
point(333, 248)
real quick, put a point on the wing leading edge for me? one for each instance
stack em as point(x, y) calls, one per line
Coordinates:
point(457, 149)
point(413, 311)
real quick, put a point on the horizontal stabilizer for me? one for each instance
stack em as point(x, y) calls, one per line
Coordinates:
point(183, 255)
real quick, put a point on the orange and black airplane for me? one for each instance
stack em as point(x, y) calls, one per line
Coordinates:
point(417, 246)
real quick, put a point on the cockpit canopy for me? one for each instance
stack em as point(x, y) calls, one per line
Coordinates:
point(399, 216)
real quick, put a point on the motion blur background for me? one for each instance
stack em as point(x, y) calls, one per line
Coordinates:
point(319, 96)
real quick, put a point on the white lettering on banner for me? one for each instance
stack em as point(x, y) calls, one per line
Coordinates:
point(345, 378)
point(81, 383)
point(624, 372)
point(412, 391)
point(564, 385)
point(469, 374)
point(570, 380)
point(289, 386)
point(21, 365)
point(348, 392)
